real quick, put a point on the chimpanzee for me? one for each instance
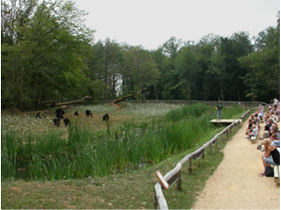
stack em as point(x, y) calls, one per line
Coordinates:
point(105, 117)
point(53, 104)
point(66, 121)
point(76, 113)
point(89, 113)
point(60, 113)
point(38, 115)
point(56, 121)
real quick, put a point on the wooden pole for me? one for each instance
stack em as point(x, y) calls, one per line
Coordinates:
point(155, 200)
point(190, 165)
point(211, 148)
point(179, 183)
point(203, 155)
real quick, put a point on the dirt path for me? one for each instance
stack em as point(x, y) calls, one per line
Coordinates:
point(236, 184)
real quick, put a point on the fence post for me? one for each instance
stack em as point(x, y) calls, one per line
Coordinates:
point(190, 165)
point(203, 156)
point(179, 182)
point(155, 200)
point(211, 148)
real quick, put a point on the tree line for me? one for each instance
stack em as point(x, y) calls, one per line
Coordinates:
point(47, 53)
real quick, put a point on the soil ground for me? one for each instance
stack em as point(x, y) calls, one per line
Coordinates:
point(236, 183)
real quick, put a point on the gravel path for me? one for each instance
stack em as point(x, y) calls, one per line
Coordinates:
point(236, 184)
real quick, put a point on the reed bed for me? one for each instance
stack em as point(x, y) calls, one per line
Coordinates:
point(84, 153)
point(194, 110)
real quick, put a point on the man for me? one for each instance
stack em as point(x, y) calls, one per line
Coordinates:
point(268, 125)
point(219, 108)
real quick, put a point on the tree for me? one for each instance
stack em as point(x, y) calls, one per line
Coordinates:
point(140, 71)
point(171, 89)
point(188, 68)
point(225, 65)
point(96, 64)
point(262, 67)
point(206, 49)
point(47, 61)
point(15, 13)
point(113, 65)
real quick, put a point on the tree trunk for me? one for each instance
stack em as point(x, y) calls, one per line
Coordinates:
point(68, 102)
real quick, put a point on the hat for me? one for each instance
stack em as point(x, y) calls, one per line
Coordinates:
point(275, 143)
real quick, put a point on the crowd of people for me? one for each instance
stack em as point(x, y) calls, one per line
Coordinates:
point(271, 134)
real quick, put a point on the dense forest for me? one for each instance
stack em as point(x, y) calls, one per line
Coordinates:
point(47, 53)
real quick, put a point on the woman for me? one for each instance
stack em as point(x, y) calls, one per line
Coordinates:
point(272, 154)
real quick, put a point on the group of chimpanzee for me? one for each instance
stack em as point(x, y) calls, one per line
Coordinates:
point(59, 116)
point(89, 114)
point(60, 112)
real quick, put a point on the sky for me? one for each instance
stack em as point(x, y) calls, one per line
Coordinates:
point(150, 23)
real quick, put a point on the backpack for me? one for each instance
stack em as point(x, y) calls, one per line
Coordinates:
point(269, 171)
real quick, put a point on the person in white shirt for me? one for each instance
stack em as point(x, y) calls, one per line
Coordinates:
point(254, 131)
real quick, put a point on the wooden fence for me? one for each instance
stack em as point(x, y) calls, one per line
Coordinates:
point(174, 176)
point(211, 103)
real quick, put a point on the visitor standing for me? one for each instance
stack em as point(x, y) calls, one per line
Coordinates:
point(219, 108)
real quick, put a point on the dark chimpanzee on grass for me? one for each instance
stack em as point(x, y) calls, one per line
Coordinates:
point(56, 121)
point(60, 113)
point(38, 115)
point(105, 117)
point(89, 113)
point(76, 113)
point(66, 122)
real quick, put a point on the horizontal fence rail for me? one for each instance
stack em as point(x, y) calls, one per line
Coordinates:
point(174, 176)
point(212, 103)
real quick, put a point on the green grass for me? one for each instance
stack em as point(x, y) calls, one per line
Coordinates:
point(81, 152)
point(129, 190)
point(232, 112)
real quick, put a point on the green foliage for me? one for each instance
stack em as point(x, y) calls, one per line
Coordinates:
point(263, 66)
point(47, 58)
point(140, 70)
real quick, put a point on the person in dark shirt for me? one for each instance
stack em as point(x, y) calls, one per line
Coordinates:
point(219, 108)
point(249, 129)
point(268, 125)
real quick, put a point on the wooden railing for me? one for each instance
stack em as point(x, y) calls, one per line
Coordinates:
point(211, 103)
point(174, 176)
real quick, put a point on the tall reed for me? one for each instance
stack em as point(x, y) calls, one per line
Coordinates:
point(194, 110)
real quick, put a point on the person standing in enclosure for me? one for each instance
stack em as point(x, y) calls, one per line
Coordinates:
point(219, 108)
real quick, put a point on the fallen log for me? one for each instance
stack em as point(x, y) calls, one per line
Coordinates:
point(52, 103)
point(128, 96)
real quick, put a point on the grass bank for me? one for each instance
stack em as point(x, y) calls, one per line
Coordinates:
point(132, 190)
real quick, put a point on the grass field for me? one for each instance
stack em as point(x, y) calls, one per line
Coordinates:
point(128, 189)
point(26, 121)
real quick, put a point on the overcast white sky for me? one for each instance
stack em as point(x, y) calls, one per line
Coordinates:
point(150, 23)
